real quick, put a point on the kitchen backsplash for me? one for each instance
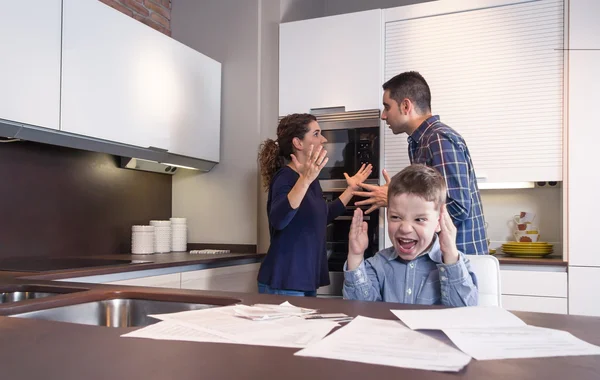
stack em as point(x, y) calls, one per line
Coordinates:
point(499, 207)
point(61, 202)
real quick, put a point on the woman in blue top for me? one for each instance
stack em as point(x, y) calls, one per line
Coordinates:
point(296, 263)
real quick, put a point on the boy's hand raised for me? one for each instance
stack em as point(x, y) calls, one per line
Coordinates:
point(358, 240)
point(447, 237)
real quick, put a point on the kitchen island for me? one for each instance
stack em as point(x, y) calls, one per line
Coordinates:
point(38, 349)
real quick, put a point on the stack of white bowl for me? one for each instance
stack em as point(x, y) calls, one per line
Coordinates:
point(162, 235)
point(179, 234)
point(142, 240)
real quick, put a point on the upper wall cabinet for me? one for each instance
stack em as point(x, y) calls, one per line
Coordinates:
point(30, 63)
point(123, 81)
point(584, 82)
point(495, 69)
point(331, 61)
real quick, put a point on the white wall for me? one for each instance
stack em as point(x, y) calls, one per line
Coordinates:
point(294, 10)
point(221, 206)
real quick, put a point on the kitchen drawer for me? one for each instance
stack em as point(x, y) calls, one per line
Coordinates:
point(533, 283)
point(235, 278)
point(172, 280)
point(535, 304)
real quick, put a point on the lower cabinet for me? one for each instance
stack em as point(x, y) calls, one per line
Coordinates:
point(238, 278)
point(172, 280)
point(534, 291)
point(584, 283)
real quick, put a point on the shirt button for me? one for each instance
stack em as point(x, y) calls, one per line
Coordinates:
point(444, 294)
point(411, 265)
point(444, 278)
point(442, 269)
point(409, 291)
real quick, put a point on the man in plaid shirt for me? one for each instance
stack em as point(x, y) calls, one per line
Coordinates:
point(407, 109)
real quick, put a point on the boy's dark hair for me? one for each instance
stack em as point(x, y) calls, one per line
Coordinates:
point(413, 86)
point(419, 180)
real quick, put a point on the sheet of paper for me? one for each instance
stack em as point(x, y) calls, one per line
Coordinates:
point(167, 330)
point(384, 342)
point(518, 342)
point(223, 322)
point(459, 317)
point(266, 311)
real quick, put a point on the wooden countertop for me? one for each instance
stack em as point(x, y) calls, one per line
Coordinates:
point(155, 261)
point(36, 349)
point(555, 260)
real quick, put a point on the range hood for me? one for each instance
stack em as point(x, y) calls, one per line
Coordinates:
point(132, 157)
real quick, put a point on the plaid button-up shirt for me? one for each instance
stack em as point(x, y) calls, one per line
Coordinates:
point(438, 146)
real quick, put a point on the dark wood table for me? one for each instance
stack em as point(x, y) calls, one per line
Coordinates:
point(32, 349)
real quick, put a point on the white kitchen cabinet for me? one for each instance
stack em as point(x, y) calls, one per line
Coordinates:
point(131, 84)
point(535, 291)
point(496, 74)
point(584, 298)
point(30, 37)
point(172, 280)
point(331, 61)
point(584, 81)
point(238, 278)
point(535, 304)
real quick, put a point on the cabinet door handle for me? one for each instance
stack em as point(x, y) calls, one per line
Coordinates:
point(365, 218)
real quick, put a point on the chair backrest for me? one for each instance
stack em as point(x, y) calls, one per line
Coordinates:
point(487, 270)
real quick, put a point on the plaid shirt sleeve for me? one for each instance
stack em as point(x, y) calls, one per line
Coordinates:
point(448, 157)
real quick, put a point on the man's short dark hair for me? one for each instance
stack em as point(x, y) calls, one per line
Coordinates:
point(413, 86)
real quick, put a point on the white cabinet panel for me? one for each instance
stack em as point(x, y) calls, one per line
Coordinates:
point(132, 84)
point(172, 280)
point(331, 61)
point(584, 298)
point(30, 65)
point(498, 60)
point(238, 278)
point(584, 81)
point(532, 283)
point(535, 304)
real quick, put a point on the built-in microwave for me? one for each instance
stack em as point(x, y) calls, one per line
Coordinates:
point(352, 140)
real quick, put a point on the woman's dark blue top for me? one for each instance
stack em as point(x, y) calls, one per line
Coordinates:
point(297, 259)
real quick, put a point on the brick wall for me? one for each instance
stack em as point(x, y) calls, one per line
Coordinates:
point(154, 13)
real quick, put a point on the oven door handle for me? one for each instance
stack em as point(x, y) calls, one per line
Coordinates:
point(365, 218)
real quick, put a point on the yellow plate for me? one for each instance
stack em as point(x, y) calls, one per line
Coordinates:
point(529, 254)
point(492, 251)
point(527, 249)
point(528, 243)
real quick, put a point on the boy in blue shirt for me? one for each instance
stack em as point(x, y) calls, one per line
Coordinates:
point(423, 266)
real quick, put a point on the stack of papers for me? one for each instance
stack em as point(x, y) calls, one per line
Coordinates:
point(486, 333)
point(385, 342)
point(226, 325)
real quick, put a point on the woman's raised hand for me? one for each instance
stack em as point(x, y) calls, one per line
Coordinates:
point(315, 161)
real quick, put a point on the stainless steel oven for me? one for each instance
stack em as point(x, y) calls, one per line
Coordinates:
point(353, 139)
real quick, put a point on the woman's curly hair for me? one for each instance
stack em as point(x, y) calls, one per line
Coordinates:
point(272, 155)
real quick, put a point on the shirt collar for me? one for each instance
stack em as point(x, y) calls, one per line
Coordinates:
point(420, 131)
point(434, 252)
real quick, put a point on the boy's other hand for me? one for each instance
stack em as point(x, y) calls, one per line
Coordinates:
point(377, 194)
point(358, 240)
point(447, 237)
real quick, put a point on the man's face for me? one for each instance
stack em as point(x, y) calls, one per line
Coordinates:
point(393, 115)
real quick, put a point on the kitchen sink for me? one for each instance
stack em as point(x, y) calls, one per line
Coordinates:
point(121, 312)
point(17, 293)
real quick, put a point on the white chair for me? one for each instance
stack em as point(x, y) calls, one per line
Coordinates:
point(487, 270)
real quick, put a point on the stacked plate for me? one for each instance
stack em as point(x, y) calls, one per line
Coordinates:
point(142, 240)
point(522, 249)
point(178, 234)
point(162, 235)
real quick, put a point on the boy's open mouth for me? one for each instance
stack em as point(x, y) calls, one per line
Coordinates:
point(406, 245)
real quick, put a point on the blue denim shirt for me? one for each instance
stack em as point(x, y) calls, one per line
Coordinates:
point(426, 280)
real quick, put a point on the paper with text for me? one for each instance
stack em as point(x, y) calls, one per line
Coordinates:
point(385, 342)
